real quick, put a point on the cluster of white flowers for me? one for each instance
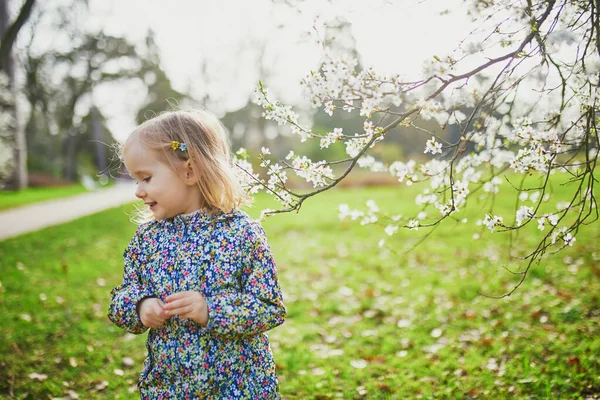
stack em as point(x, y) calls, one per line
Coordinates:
point(541, 148)
point(426, 197)
point(440, 66)
point(358, 142)
point(436, 170)
point(552, 219)
point(355, 146)
point(277, 176)
point(492, 185)
point(567, 237)
point(331, 137)
point(533, 197)
point(460, 190)
point(252, 183)
point(282, 114)
point(402, 171)
point(314, 172)
point(433, 147)
point(249, 180)
point(372, 164)
point(340, 82)
point(368, 217)
point(494, 137)
point(430, 109)
point(491, 222)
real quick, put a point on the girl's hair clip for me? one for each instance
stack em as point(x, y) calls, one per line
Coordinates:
point(175, 145)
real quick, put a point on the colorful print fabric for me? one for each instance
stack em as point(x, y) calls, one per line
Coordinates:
point(226, 258)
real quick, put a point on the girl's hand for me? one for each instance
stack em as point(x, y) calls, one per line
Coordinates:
point(152, 312)
point(188, 304)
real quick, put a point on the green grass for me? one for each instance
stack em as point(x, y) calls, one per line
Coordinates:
point(364, 322)
point(17, 198)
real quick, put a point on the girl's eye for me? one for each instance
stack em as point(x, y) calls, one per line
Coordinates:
point(147, 179)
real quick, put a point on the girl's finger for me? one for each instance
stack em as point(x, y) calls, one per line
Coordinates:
point(181, 310)
point(152, 324)
point(177, 296)
point(163, 315)
point(178, 303)
point(159, 313)
point(188, 314)
point(157, 322)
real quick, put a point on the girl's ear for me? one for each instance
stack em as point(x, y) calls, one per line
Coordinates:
point(189, 173)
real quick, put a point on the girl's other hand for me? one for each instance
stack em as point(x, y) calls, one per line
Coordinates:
point(152, 312)
point(188, 304)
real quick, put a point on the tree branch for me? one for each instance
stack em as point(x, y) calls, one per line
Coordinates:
point(9, 37)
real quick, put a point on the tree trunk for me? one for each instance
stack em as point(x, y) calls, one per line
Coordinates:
point(70, 156)
point(13, 137)
point(101, 163)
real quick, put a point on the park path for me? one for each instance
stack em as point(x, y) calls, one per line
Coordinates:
point(16, 221)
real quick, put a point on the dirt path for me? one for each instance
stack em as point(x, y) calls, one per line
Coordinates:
point(36, 216)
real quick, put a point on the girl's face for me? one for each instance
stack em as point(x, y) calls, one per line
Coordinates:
point(159, 185)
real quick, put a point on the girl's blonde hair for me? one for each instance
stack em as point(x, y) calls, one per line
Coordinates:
point(207, 149)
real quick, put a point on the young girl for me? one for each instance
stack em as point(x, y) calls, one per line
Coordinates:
point(200, 273)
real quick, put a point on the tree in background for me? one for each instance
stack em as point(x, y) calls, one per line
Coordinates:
point(66, 132)
point(522, 91)
point(160, 90)
point(13, 153)
point(59, 89)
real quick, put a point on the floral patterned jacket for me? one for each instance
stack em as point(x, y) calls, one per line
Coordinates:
point(226, 258)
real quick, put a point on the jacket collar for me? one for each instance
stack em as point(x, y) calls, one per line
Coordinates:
point(196, 218)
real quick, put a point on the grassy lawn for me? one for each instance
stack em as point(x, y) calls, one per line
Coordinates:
point(17, 198)
point(363, 321)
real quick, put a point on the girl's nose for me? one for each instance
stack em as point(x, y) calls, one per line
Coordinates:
point(139, 192)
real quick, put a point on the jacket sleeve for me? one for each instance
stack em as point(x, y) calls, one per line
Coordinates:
point(125, 297)
point(258, 306)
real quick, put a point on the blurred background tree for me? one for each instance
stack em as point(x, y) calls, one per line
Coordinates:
point(61, 62)
point(66, 132)
point(13, 171)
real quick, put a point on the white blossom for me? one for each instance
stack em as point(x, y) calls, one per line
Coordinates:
point(413, 224)
point(552, 219)
point(391, 229)
point(316, 173)
point(522, 213)
point(533, 197)
point(331, 137)
point(461, 191)
point(402, 170)
point(329, 107)
point(523, 196)
point(569, 239)
point(491, 222)
point(346, 212)
point(372, 206)
point(492, 185)
point(433, 147)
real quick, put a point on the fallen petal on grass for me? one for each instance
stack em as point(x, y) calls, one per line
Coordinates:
point(359, 364)
point(38, 377)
